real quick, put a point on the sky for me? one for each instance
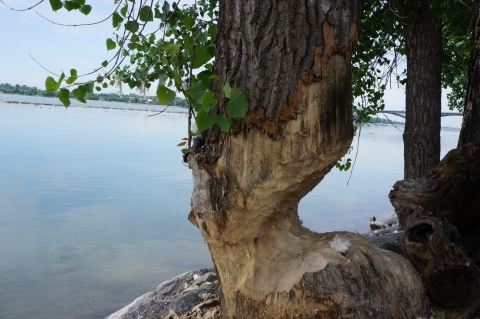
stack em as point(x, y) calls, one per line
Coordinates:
point(60, 48)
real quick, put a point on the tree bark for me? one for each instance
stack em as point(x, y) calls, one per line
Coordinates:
point(421, 137)
point(470, 132)
point(292, 60)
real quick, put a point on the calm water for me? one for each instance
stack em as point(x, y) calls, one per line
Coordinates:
point(94, 205)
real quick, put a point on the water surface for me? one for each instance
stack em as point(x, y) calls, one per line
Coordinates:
point(94, 205)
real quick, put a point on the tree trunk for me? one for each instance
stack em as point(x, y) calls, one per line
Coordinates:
point(421, 137)
point(470, 132)
point(292, 60)
point(440, 213)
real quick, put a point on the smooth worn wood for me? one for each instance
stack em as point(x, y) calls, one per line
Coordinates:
point(292, 60)
point(440, 216)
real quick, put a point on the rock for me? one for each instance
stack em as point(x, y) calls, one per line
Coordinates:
point(390, 221)
point(388, 238)
point(172, 295)
point(208, 277)
point(387, 222)
point(388, 235)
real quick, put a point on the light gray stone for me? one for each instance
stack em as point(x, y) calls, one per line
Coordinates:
point(171, 295)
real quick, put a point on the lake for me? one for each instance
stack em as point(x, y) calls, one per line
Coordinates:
point(94, 204)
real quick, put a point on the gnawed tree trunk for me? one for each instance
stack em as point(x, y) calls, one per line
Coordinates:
point(292, 60)
point(423, 43)
point(440, 213)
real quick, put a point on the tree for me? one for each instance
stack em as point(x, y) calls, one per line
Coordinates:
point(440, 212)
point(423, 44)
point(470, 132)
point(417, 30)
point(247, 185)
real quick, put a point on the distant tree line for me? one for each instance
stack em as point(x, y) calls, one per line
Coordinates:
point(111, 97)
point(384, 121)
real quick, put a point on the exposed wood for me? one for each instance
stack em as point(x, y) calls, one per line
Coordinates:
point(435, 211)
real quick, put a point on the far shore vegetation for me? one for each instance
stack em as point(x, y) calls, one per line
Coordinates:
point(110, 97)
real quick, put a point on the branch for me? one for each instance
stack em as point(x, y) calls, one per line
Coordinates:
point(82, 24)
point(1, 1)
point(43, 66)
point(160, 111)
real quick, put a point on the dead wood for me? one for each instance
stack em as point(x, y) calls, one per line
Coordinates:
point(440, 215)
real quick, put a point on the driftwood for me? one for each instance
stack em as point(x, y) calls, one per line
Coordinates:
point(440, 214)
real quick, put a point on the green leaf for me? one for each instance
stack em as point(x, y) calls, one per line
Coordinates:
point(71, 5)
point(73, 76)
point(209, 101)
point(111, 44)
point(348, 164)
point(165, 95)
point(89, 87)
point(56, 5)
point(153, 50)
point(105, 63)
point(132, 26)
point(188, 21)
point(85, 9)
point(205, 77)
point(64, 97)
point(212, 31)
point(202, 39)
point(123, 11)
point(202, 56)
point(116, 20)
point(227, 89)
point(50, 84)
point(146, 14)
point(80, 2)
point(196, 91)
point(162, 79)
point(204, 121)
point(80, 94)
point(62, 76)
point(223, 122)
point(238, 104)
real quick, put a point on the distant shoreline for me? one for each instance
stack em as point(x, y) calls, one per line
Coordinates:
point(166, 108)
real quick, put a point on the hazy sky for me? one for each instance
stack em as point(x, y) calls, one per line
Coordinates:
point(60, 48)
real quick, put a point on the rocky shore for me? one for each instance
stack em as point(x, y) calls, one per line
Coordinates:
point(194, 294)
